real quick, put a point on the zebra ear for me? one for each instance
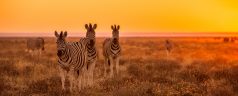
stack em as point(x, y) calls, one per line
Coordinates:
point(56, 34)
point(61, 33)
point(86, 26)
point(112, 27)
point(65, 34)
point(115, 26)
point(118, 27)
point(94, 26)
point(90, 26)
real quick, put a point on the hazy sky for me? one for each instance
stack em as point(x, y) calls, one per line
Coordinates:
point(132, 15)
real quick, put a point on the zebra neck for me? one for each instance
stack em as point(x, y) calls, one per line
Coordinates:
point(91, 43)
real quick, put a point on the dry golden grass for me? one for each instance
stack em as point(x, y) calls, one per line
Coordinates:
point(196, 66)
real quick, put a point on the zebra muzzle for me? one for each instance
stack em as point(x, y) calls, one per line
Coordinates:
point(92, 42)
point(115, 40)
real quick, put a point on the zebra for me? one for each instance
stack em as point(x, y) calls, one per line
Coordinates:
point(112, 51)
point(168, 47)
point(91, 51)
point(72, 58)
point(35, 45)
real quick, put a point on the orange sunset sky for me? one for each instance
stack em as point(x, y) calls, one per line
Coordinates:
point(134, 16)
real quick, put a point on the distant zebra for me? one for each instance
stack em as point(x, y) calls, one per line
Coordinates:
point(92, 51)
point(226, 39)
point(72, 58)
point(168, 47)
point(35, 45)
point(112, 51)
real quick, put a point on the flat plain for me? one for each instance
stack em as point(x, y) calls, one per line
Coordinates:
point(195, 66)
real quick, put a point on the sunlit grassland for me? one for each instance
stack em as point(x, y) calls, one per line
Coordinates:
point(196, 66)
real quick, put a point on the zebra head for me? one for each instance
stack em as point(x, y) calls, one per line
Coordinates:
point(90, 30)
point(61, 44)
point(115, 32)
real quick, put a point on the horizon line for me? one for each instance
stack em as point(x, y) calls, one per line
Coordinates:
point(135, 34)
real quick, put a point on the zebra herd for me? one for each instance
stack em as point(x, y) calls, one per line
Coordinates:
point(78, 59)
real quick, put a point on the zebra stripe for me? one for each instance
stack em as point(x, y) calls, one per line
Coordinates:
point(91, 49)
point(72, 57)
point(112, 51)
point(111, 48)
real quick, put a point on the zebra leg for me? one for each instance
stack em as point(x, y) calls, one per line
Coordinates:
point(26, 50)
point(80, 81)
point(75, 77)
point(105, 66)
point(71, 80)
point(111, 66)
point(91, 71)
point(38, 56)
point(62, 75)
point(167, 53)
point(83, 79)
point(86, 77)
point(40, 52)
point(117, 65)
point(31, 53)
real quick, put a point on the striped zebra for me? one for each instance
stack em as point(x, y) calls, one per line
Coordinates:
point(112, 51)
point(91, 51)
point(168, 47)
point(35, 45)
point(72, 58)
